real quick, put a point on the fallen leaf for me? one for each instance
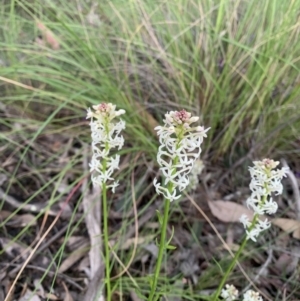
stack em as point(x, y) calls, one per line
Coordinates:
point(13, 249)
point(131, 241)
point(74, 257)
point(22, 220)
point(4, 215)
point(3, 178)
point(134, 296)
point(84, 266)
point(229, 212)
point(152, 248)
point(51, 297)
point(68, 296)
point(17, 220)
point(39, 287)
point(288, 263)
point(30, 296)
point(74, 242)
point(7, 285)
point(1, 293)
point(288, 226)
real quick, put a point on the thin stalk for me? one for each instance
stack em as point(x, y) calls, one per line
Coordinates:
point(161, 249)
point(230, 268)
point(220, 16)
point(106, 246)
point(105, 228)
point(164, 228)
point(233, 262)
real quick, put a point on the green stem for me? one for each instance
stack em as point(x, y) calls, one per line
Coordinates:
point(234, 260)
point(230, 268)
point(220, 16)
point(161, 249)
point(106, 246)
point(162, 245)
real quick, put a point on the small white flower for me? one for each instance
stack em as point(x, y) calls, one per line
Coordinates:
point(270, 206)
point(180, 146)
point(263, 225)
point(105, 136)
point(165, 192)
point(251, 295)
point(245, 221)
point(252, 234)
point(229, 293)
point(113, 186)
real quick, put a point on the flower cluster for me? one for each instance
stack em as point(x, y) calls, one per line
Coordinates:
point(265, 181)
point(251, 295)
point(180, 146)
point(105, 136)
point(230, 293)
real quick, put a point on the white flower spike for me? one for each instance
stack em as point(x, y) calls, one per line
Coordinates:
point(265, 181)
point(105, 136)
point(180, 147)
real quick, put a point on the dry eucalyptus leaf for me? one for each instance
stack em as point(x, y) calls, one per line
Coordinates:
point(30, 296)
point(63, 188)
point(286, 263)
point(22, 220)
point(50, 296)
point(39, 287)
point(152, 248)
point(139, 240)
point(229, 212)
point(3, 178)
point(74, 257)
point(134, 296)
point(1, 293)
point(2, 276)
point(288, 225)
point(68, 296)
point(4, 215)
point(17, 220)
point(75, 242)
point(84, 266)
point(14, 249)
